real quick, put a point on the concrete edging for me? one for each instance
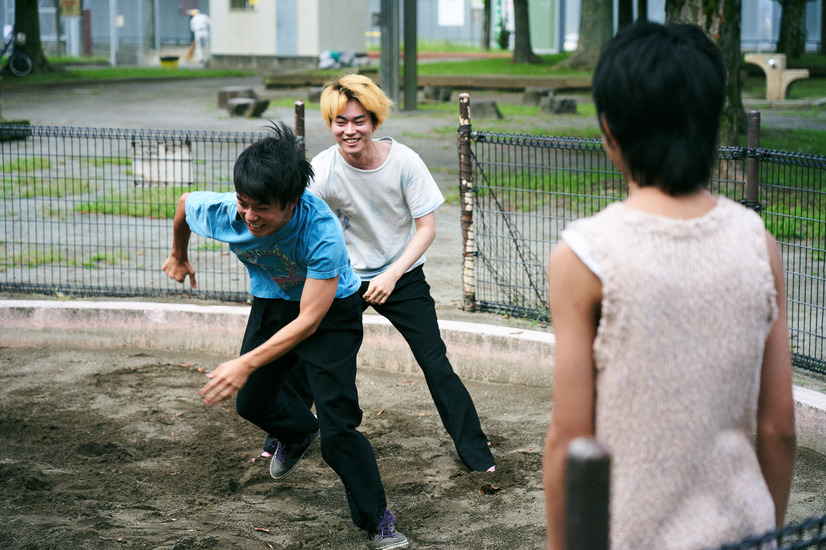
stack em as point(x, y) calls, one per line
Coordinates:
point(481, 352)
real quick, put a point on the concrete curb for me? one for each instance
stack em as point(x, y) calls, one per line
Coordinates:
point(480, 352)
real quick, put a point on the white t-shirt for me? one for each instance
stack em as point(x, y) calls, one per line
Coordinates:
point(377, 208)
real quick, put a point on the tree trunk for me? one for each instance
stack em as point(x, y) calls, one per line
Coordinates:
point(596, 27)
point(792, 39)
point(626, 13)
point(822, 27)
point(522, 50)
point(27, 21)
point(721, 20)
point(486, 20)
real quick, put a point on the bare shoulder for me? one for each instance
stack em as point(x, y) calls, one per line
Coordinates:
point(569, 279)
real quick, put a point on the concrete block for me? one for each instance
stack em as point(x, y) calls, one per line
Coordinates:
point(229, 92)
point(485, 109)
point(247, 107)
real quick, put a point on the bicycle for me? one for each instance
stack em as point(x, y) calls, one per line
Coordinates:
point(19, 63)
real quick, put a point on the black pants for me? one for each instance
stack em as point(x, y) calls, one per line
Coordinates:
point(411, 309)
point(329, 356)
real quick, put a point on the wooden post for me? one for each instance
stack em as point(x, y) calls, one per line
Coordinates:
point(587, 486)
point(466, 193)
point(299, 124)
point(752, 163)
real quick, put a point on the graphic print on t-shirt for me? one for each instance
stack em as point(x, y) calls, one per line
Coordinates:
point(281, 269)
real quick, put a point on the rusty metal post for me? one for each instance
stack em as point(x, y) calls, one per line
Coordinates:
point(587, 486)
point(466, 193)
point(299, 125)
point(753, 164)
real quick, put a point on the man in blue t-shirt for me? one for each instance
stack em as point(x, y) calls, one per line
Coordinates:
point(305, 308)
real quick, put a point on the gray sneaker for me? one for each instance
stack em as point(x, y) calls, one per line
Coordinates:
point(387, 536)
point(286, 458)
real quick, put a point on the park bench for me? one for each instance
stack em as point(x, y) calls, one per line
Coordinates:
point(778, 77)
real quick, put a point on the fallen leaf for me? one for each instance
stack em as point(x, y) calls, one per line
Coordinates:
point(488, 489)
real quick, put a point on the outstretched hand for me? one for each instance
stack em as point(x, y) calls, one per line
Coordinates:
point(178, 270)
point(224, 381)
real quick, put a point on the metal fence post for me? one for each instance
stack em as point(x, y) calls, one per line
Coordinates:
point(753, 164)
point(466, 196)
point(299, 125)
point(587, 486)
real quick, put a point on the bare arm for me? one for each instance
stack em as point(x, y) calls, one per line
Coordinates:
point(775, 405)
point(381, 286)
point(230, 376)
point(575, 297)
point(177, 265)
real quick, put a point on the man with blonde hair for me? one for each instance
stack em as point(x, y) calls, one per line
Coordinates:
point(381, 191)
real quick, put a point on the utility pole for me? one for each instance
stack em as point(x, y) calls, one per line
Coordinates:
point(411, 77)
point(390, 49)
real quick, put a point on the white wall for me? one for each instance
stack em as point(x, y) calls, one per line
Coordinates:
point(321, 25)
point(342, 25)
point(243, 32)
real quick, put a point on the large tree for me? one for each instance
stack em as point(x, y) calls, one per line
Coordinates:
point(522, 50)
point(27, 21)
point(487, 10)
point(721, 20)
point(596, 27)
point(823, 27)
point(792, 40)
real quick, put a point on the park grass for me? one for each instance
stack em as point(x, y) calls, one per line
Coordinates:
point(497, 66)
point(83, 73)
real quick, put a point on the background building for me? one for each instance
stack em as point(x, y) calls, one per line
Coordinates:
point(270, 34)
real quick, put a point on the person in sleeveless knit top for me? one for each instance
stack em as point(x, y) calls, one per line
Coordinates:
point(668, 309)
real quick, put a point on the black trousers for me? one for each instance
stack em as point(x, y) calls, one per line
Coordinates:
point(329, 355)
point(411, 309)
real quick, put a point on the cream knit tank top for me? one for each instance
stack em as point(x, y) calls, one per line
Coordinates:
point(687, 306)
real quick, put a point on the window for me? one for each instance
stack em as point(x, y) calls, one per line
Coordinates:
point(242, 4)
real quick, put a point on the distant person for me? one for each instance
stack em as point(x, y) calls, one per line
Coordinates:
point(385, 198)
point(200, 24)
point(669, 314)
point(305, 309)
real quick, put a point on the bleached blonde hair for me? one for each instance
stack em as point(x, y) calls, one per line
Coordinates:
point(337, 93)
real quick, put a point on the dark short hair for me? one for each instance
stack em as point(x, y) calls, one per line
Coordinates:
point(274, 169)
point(660, 89)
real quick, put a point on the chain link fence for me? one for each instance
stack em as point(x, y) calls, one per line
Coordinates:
point(87, 212)
point(520, 191)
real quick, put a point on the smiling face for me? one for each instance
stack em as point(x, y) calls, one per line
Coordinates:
point(263, 219)
point(353, 130)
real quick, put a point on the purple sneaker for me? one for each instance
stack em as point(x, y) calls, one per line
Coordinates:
point(286, 458)
point(386, 536)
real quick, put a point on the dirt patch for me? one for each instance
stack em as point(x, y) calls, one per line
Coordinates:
point(113, 449)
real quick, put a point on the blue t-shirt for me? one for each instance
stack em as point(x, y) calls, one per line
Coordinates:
point(310, 245)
